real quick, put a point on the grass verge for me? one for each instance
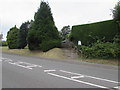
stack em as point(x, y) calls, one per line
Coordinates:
point(102, 61)
point(55, 53)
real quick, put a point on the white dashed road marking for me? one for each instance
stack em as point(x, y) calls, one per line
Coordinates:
point(78, 77)
point(24, 66)
point(69, 72)
point(39, 66)
point(6, 59)
point(90, 76)
point(76, 80)
point(49, 70)
point(118, 87)
point(20, 64)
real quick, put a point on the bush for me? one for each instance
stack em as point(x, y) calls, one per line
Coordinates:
point(47, 45)
point(12, 38)
point(101, 50)
point(117, 38)
point(90, 33)
point(3, 43)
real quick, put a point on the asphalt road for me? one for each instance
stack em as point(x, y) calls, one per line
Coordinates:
point(31, 72)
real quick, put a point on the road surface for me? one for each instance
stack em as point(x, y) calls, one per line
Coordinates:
point(32, 72)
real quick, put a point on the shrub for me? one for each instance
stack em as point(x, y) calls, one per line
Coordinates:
point(90, 33)
point(117, 38)
point(47, 45)
point(101, 50)
point(3, 43)
point(12, 38)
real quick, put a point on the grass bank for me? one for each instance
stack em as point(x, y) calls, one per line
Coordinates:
point(56, 53)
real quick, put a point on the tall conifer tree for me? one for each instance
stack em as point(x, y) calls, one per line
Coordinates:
point(43, 27)
point(12, 38)
point(22, 35)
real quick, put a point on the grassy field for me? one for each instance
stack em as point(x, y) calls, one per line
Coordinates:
point(56, 53)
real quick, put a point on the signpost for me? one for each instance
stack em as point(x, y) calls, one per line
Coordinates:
point(79, 43)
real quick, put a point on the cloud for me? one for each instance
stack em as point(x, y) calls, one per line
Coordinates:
point(65, 12)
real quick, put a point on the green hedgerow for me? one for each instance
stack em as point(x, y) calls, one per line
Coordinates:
point(104, 50)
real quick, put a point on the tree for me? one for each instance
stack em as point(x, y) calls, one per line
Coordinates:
point(3, 43)
point(1, 36)
point(12, 38)
point(65, 31)
point(116, 15)
point(43, 28)
point(22, 35)
point(116, 12)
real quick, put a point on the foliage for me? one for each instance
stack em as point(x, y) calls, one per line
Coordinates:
point(90, 33)
point(12, 38)
point(1, 36)
point(47, 45)
point(116, 12)
point(117, 38)
point(65, 31)
point(104, 50)
point(3, 43)
point(43, 27)
point(22, 35)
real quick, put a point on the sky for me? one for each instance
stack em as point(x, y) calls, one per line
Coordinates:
point(65, 12)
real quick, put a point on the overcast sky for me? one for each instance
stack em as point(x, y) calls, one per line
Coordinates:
point(65, 12)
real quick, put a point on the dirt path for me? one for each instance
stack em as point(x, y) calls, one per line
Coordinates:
point(70, 53)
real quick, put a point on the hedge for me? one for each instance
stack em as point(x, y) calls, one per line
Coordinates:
point(89, 33)
point(101, 50)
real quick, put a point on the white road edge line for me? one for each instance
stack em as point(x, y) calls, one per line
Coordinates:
point(118, 87)
point(17, 63)
point(49, 70)
point(91, 77)
point(4, 58)
point(103, 79)
point(39, 66)
point(7, 60)
point(29, 64)
point(21, 65)
point(77, 80)
point(32, 65)
point(11, 63)
point(70, 72)
point(78, 77)
point(24, 66)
